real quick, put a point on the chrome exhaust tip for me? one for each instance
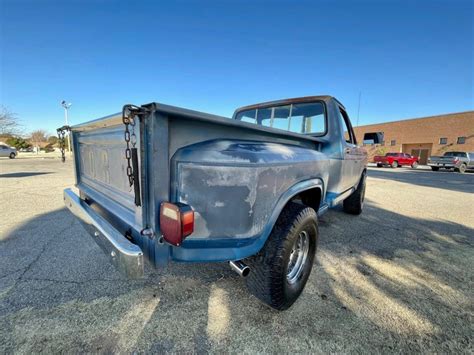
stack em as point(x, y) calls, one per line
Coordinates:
point(240, 268)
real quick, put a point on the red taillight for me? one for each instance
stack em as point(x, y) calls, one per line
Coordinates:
point(176, 222)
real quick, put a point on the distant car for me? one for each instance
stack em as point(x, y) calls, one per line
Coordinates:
point(396, 159)
point(6, 151)
point(459, 161)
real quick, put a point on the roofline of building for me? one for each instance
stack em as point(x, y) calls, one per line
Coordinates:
point(418, 118)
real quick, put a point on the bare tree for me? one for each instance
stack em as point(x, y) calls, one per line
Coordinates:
point(9, 122)
point(37, 137)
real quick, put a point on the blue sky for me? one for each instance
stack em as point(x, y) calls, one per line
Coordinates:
point(408, 58)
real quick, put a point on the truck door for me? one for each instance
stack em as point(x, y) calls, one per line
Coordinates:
point(352, 156)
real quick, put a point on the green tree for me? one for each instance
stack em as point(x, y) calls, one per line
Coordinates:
point(18, 142)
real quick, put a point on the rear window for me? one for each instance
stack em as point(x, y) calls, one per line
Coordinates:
point(455, 154)
point(306, 118)
point(391, 154)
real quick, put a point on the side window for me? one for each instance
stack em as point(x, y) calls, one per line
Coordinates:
point(247, 116)
point(264, 116)
point(349, 135)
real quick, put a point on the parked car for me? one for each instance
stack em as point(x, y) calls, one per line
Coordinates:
point(196, 187)
point(459, 161)
point(6, 151)
point(396, 159)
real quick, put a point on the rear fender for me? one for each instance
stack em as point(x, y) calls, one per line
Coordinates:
point(230, 249)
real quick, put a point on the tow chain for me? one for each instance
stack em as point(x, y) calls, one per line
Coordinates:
point(62, 140)
point(130, 113)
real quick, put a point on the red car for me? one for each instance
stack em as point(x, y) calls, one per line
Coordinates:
point(396, 159)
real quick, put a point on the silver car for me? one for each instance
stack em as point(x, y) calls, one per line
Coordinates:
point(6, 151)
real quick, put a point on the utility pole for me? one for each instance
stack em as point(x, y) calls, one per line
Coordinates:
point(66, 107)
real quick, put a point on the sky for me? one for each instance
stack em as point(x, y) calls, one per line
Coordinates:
point(406, 59)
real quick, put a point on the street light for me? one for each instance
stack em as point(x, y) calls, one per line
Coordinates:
point(66, 108)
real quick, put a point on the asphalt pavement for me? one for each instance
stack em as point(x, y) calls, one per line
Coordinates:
point(398, 278)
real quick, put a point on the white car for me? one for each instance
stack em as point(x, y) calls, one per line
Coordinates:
point(6, 151)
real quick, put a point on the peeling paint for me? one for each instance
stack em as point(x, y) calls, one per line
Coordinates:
point(209, 181)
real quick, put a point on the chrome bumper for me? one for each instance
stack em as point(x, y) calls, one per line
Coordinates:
point(124, 255)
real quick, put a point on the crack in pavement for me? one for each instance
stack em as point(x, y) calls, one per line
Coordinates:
point(29, 266)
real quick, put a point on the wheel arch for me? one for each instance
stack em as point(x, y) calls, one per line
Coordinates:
point(304, 191)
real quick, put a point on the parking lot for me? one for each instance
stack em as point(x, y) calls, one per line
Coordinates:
point(398, 278)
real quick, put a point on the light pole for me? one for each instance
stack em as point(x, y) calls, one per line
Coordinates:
point(66, 108)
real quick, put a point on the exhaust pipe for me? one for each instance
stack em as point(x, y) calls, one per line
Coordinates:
point(240, 268)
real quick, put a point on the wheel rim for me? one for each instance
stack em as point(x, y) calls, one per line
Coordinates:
point(298, 257)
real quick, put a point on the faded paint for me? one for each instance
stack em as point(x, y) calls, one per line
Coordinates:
point(208, 177)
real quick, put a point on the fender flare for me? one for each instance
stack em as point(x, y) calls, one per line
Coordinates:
point(281, 203)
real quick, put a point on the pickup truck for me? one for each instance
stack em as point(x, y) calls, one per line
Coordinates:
point(459, 161)
point(164, 183)
point(396, 159)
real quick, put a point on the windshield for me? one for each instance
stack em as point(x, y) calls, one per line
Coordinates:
point(308, 118)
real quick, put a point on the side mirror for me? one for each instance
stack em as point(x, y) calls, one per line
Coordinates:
point(373, 138)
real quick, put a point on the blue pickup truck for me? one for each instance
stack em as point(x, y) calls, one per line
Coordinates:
point(166, 183)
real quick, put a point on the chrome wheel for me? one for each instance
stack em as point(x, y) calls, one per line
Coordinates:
point(298, 257)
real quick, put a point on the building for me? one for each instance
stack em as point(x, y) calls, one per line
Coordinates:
point(424, 136)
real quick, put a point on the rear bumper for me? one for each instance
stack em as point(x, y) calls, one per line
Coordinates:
point(124, 255)
point(443, 165)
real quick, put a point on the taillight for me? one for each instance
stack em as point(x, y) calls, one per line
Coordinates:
point(176, 222)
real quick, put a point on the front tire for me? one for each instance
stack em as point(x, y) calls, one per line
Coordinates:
point(434, 168)
point(414, 165)
point(12, 156)
point(355, 202)
point(280, 270)
point(379, 165)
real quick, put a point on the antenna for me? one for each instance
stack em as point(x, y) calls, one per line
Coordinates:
point(358, 109)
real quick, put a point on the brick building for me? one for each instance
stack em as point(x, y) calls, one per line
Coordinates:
point(423, 137)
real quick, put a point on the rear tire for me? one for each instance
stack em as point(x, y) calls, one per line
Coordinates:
point(394, 164)
point(355, 202)
point(280, 270)
point(12, 156)
point(414, 165)
point(379, 165)
point(434, 168)
point(461, 169)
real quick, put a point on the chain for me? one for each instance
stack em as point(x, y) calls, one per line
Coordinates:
point(130, 115)
point(62, 140)
point(129, 121)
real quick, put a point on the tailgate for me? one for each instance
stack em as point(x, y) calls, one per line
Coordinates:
point(101, 167)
